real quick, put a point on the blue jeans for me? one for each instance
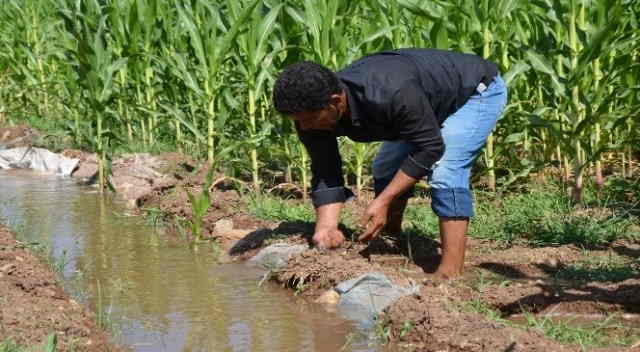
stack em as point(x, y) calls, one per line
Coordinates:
point(465, 134)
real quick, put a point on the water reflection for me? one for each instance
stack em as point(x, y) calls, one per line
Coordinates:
point(160, 295)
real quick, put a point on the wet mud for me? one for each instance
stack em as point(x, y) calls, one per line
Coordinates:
point(508, 281)
point(34, 306)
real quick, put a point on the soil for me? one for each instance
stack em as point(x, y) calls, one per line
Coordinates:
point(509, 281)
point(35, 306)
point(17, 136)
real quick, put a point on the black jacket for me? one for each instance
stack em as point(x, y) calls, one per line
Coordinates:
point(395, 95)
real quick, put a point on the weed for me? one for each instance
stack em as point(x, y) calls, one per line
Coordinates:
point(49, 346)
point(300, 287)
point(200, 204)
point(422, 220)
point(612, 268)
point(103, 317)
point(406, 328)
point(484, 280)
point(547, 217)
point(382, 331)
point(597, 334)
point(155, 216)
point(9, 346)
point(478, 306)
point(270, 208)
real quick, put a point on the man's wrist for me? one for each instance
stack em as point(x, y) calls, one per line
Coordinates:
point(385, 198)
point(326, 227)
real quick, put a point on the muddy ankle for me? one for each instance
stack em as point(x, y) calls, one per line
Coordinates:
point(448, 274)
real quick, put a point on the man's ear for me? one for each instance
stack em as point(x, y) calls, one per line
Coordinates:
point(335, 99)
point(339, 100)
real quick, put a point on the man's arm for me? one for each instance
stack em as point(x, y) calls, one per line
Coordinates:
point(328, 192)
point(417, 125)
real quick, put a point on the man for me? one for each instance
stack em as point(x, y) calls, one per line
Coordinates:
point(434, 110)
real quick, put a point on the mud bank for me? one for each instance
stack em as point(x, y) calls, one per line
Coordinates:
point(34, 306)
point(468, 314)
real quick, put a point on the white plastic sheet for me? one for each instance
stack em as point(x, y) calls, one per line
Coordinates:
point(37, 159)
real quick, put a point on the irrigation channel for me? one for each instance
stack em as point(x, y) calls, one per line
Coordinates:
point(157, 294)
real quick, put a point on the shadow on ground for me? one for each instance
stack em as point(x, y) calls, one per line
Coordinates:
point(598, 294)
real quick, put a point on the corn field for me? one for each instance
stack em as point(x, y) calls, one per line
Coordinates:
point(195, 76)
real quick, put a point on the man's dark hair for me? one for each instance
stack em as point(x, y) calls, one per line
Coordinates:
point(304, 86)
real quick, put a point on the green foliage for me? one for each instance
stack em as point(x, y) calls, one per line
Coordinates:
point(570, 331)
point(611, 268)
point(547, 217)
point(148, 75)
point(270, 208)
point(200, 204)
point(49, 346)
point(595, 334)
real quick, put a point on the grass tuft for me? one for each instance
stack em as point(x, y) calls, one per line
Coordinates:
point(270, 208)
point(607, 268)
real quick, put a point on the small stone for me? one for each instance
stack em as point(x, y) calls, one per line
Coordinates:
point(329, 297)
point(7, 267)
point(552, 262)
point(20, 259)
point(236, 234)
point(223, 226)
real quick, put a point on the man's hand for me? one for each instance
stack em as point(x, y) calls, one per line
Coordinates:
point(328, 238)
point(327, 235)
point(375, 218)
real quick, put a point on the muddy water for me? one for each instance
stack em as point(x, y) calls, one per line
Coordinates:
point(157, 293)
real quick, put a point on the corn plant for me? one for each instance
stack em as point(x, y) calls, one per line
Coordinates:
point(210, 39)
point(200, 204)
point(96, 66)
point(253, 61)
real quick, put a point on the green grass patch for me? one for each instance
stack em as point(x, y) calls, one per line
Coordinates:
point(586, 334)
point(611, 268)
point(421, 220)
point(271, 208)
point(542, 217)
point(49, 346)
point(547, 217)
point(606, 332)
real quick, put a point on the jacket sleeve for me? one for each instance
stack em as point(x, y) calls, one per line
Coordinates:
point(327, 184)
point(417, 124)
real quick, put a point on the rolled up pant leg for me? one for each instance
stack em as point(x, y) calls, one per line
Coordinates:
point(465, 134)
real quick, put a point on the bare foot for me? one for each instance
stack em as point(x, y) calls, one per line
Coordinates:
point(448, 273)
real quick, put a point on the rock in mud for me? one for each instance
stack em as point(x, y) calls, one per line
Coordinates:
point(330, 297)
point(363, 298)
point(276, 255)
point(223, 226)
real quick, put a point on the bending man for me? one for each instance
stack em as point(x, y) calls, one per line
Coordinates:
point(434, 111)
